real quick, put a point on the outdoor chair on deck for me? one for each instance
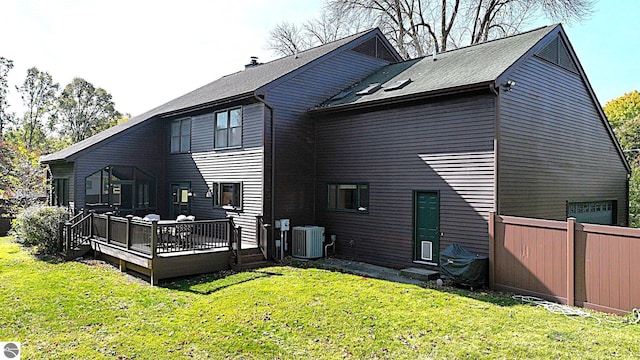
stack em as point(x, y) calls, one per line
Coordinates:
point(184, 230)
point(151, 217)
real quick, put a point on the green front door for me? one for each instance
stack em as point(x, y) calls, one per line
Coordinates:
point(426, 226)
point(180, 200)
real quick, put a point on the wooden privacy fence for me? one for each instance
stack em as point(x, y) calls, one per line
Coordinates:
point(593, 266)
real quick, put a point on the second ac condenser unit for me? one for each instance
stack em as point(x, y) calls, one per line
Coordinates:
point(307, 241)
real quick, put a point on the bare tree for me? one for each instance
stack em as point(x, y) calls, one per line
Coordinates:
point(418, 27)
point(286, 39)
point(38, 93)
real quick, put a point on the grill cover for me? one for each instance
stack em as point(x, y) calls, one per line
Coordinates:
point(464, 267)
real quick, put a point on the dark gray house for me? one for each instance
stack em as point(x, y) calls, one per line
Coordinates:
point(221, 149)
point(395, 158)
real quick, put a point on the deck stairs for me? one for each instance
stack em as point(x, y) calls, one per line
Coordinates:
point(75, 237)
point(251, 259)
point(78, 251)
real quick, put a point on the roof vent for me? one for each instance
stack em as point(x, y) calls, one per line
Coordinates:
point(369, 89)
point(254, 62)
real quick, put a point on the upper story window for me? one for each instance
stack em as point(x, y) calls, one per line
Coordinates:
point(228, 129)
point(348, 197)
point(181, 136)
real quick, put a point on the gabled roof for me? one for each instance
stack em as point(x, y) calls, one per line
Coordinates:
point(456, 69)
point(242, 84)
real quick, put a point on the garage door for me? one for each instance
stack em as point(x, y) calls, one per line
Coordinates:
point(594, 212)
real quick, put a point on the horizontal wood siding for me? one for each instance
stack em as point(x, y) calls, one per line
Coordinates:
point(65, 171)
point(554, 147)
point(202, 133)
point(294, 133)
point(204, 166)
point(444, 146)
point(141, 146)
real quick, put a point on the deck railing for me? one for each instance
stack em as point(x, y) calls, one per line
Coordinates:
point(195, 235)
point(262, 234)
point(75, 232)
point(153, 237)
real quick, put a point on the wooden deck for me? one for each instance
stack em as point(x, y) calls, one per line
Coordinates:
point(160, 250)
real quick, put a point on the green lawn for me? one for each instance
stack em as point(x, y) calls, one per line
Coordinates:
point(92, 311)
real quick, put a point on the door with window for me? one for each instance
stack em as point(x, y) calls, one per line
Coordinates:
point(122, 196)
point(180, 204)
point(426, 226)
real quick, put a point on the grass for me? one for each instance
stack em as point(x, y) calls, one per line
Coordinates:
point(92, 311)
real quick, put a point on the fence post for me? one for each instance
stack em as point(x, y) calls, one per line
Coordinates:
point(229, 234)
point(60, 236)
point(571, 259)
point(67, 239)
point(239, 245)
point(91, 214)
point(127, 239)
point(154, 240)
point(258, 232)
point(492, 248)
point(107, 226)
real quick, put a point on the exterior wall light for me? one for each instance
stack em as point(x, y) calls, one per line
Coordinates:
point(509, 85)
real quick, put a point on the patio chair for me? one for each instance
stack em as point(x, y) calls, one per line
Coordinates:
point(184, 229)
point(151, 217)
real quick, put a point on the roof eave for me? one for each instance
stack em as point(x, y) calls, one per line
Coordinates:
point(227, 100)
point(70, 157)
point(485, 85)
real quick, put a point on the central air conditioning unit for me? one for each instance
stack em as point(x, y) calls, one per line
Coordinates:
point(307, 241)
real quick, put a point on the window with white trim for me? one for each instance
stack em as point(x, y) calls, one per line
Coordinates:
point(228, 129)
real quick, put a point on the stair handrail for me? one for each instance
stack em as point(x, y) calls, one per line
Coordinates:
point(78, 232)
point(74, 218)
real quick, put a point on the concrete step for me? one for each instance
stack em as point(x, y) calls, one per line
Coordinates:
point(420, 274)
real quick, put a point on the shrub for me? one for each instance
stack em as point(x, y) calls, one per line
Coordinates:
point(38, 226)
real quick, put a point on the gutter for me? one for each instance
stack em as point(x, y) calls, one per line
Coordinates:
point(273, 163)
point(493, 87)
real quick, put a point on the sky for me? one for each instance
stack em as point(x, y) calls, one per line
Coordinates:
point(145, 53)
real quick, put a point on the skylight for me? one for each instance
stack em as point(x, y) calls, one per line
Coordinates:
point(398, 85)
point(342, 95)
point(369, 89)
